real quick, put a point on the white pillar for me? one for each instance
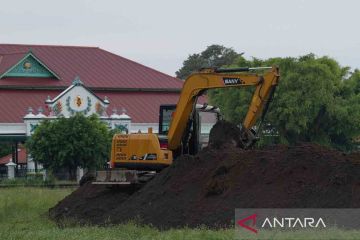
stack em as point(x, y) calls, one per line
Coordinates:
point(11, 169)
point(30, 163)
point(79, 174)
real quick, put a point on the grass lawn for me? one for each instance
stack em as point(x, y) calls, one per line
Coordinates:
point(23, 215)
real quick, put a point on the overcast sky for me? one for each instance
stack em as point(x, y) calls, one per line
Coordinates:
point(162, 33)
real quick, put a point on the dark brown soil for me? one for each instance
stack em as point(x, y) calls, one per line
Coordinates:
point(205, 189)
point(224, 133)
point(88, 203)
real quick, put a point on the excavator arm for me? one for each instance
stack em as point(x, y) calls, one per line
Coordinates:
point(136, 157)
point(206, 79)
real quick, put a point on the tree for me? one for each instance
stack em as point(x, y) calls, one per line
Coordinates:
point(68, 143)
point(213, 56)
point(5, 148)
point(233, 102)
point(317, 100)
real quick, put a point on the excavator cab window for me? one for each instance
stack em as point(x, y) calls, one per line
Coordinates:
point(165, 116)
point(200, 122)
point(206, 121)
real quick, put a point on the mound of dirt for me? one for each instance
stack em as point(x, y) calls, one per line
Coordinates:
point(205, 189)
point(224, 133)
point(88, 203)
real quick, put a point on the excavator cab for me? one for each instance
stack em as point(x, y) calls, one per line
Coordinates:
point(137, 157)
point(199, 124)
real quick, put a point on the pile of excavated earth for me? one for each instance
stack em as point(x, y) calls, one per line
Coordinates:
point(205, 189)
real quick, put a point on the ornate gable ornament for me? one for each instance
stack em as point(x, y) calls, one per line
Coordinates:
point(30, 66)
point(77, 99)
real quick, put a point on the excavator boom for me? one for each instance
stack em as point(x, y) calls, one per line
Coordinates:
point(223, 78)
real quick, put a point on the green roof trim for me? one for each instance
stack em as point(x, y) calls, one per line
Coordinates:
point(30, 66)
point(13, 138)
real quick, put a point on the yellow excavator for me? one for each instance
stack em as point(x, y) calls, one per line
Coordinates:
point(137, 157)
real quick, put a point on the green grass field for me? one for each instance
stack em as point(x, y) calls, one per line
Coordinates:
point(23, 215)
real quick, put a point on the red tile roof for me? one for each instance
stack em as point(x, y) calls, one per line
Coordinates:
point(21, 157)
point(95, 67)
point(142, 107)
point(14, 103)
point(7, 60)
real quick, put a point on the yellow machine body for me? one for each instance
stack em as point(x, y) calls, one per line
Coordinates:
point(139, 151)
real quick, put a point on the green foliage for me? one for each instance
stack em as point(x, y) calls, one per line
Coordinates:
point(212, 56)
point(317, 100)
point(5, 148)
point(68, 143)
point(34, 180)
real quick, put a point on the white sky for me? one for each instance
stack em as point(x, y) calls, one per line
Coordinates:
point(162, 33)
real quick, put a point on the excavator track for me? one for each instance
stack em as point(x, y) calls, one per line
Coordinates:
point(123, 177)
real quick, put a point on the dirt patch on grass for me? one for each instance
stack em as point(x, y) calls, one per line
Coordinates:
point(205, 189)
